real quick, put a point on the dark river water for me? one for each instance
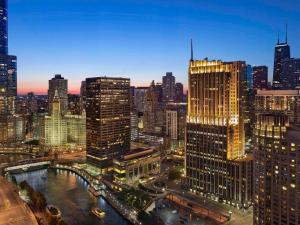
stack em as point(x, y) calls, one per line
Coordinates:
point(69, 193)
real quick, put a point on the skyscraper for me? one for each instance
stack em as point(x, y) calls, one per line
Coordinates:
point(260, 77)
point(216, 163)
point(282, 52)
point(179, 92)
point(59, 84)
point(291, 73)
point(8, 81)
point(3, 28)
point(107, 119)
point(276, 170)
point(55, 126)
point(168, 86)
point(153, 110)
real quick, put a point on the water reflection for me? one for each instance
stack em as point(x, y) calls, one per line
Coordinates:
point(69, 192)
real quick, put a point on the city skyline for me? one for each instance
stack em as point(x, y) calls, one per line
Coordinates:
point(57, 35)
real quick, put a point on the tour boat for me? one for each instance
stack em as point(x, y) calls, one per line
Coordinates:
point(98, 212)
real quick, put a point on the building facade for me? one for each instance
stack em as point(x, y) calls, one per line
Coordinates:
point(276, 170)
point(8, 82)
point(153, 112)
point(107, 119)
point(59, 84)
point(137, 163)
point(291, 73)
point(55, 127)
point(282, 52)
point(260, 77)
point(216, 164)
point(179, 96)
point(168, 85)
point(175, 120)
point(287, 101)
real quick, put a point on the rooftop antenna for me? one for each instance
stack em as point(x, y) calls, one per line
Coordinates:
point(192, 51)
point(286, 33)
point(278, 39)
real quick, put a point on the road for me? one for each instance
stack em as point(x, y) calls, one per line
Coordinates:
point(12, 209)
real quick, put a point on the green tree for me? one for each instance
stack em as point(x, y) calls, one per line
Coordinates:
point(174, 173)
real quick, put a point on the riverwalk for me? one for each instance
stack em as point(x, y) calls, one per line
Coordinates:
point(13, 210)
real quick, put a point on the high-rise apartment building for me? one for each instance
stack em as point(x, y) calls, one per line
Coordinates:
point(59, 84)
point(168, 86)
point(282, 52)
point(216, 164)
point(260, 77)
point(276, 170)
point(107, 119)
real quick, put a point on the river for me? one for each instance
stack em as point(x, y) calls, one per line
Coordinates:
point(69, 193)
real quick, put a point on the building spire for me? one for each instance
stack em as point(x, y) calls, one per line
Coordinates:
point(192, 51)
point(278, 41)
point(286, 33)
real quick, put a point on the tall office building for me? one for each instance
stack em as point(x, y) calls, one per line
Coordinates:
point(216, 164)
point(59, 84)
point(260, 77)
point(249, 77)
point(82, 96)
point(140, 94)
point(276, 170)
point(291, 73)
point(8, 81)
point(153, 110)
point(168, 86)
point(282, 52)
point(55, 126)
point(3, 28)
point(178, 92)
point(175, 120)
point(107, 119)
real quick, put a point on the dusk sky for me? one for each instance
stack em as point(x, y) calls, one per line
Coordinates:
point(141, 39)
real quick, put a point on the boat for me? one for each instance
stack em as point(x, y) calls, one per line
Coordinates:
point(98, 212)
point(94, 192)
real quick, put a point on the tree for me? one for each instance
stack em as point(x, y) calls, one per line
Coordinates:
point(174, 174)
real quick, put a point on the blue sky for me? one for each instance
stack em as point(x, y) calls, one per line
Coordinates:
point(141, 39)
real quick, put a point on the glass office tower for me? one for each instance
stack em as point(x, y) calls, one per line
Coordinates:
point(107, 119)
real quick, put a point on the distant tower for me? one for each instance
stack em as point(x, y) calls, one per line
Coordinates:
point(168, 87)
point(282, 52)
point(260, 77)
point(59, 84)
